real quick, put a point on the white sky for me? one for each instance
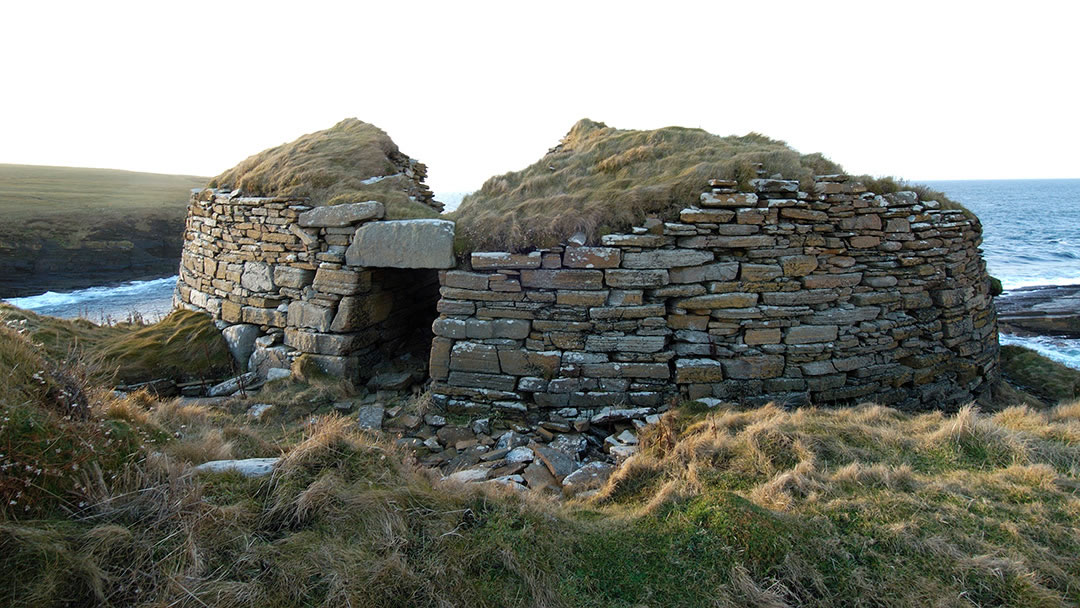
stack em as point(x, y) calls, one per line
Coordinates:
point(934, 90)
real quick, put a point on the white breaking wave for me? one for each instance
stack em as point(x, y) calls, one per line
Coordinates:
point(149, 299)
point(1063, 350)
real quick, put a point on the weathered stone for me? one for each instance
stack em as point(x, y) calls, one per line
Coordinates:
point(234, 385)
point(719, 300)
point(566, 297)
point(295, 278)
point(478, 380)
point(466, 280)
point(514, 329)
point(341, 215)
point(361, 312)
point(591, 257)
point(559, 463)
point(658, 371)
point(798, 265)
point(483, 260)
point(759, 272)
point(728, 242)
point(562, 279)
point(754, 337)
point(307, 341)
point(529, 363)
point(832, 281)
point(370, 417)
point(666, 258)
point(633, 344)
point(241, 341)
point(246, 467)
point(258, 277)
point(474, 357)
point(864, 242)
point(809, 215)
point(753, 366)
point(591, 476)
point(310, 315)
point(341, 282)
point(810, 334)
point(698, 370)
point(609, 415)
point(734, 199)
point(721, 271)
point(627, 312)
point(694, 215)
point(403, 244)
point(636, 278)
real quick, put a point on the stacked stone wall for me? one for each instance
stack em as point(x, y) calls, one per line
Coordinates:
point(289, 279)
point(829, 297)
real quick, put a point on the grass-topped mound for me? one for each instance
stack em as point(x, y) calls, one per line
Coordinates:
point(600, 179)
point(185, 345)
point(352, 161)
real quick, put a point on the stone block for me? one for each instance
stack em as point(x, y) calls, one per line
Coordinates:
point(630, 344)
point(310, 315)
point(864, 242)
point(811, 334)
point(466, 280)
point(754, 337)
point(307, 341)
point(694, 215)
point(591, 257)
point(753, 241)
point(342, 282)
point(806, 215)
point(338, 367)
point(734, 199)
point(519, 362)
point(474, 357)
point(753, 367)
point(425, 243)
point(721, 271)
point(688, 371)
point(658, 371)
point(719, 300)
point(498, 382)
point(479, 329)
point(273, 317)
point(361, 312)
point(627, 312)
point(241, 341)
point(566, 297)
point(439, 358)
point(513, 329)
point(628, 279)
point(295, 278)
point(760, 272)
point(832, 281)
point(257, 276)
point(341, 215)
point(562, 279)
point(666, 258)
point(490, 260)
point(449, 328)
point(798, 265)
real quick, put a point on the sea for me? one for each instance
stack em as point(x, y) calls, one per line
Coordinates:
point(1031, 237)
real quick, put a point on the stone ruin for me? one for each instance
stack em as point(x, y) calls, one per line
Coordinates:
point(833, 296)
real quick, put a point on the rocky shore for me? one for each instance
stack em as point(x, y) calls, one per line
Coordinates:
point(1049, 310)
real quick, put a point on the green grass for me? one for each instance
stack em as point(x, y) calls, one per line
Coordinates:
point(600, 180)
point(185, 345)
point(329, 167)
point(1047, 379)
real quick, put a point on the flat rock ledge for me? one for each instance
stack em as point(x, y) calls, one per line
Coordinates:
point(248, 467)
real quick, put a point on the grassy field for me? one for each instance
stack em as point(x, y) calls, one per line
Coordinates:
point(72, 204)
point(600, 179)
point(863, 506)
point(68, 227)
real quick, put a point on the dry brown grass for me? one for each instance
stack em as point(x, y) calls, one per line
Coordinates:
point(329, 167)
point(600, 180)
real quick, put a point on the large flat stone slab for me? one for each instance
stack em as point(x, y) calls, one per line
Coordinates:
point(403, 244)
point(341, 215)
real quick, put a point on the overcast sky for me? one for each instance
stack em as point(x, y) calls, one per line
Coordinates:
point(936, 90)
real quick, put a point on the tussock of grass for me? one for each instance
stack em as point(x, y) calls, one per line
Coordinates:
point(185, 345)
point(329, 167)
point(600, 179)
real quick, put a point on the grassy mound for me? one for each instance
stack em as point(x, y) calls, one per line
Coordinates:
point(600, 179)
point(1045, 378)
point(330, 167)
point(183, 346)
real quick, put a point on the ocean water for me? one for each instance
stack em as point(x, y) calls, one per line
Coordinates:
point(1031, 236)
point(1031, 227)
point(149, 300)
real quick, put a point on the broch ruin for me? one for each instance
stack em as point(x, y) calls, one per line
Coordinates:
point(759, 292)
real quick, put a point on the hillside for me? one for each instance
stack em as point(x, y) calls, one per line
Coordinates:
point(67, 228)
point(723, 507)
point(600, 179)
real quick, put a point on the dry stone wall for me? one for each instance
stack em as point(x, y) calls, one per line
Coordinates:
point(336, 283)
point(828, 297)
